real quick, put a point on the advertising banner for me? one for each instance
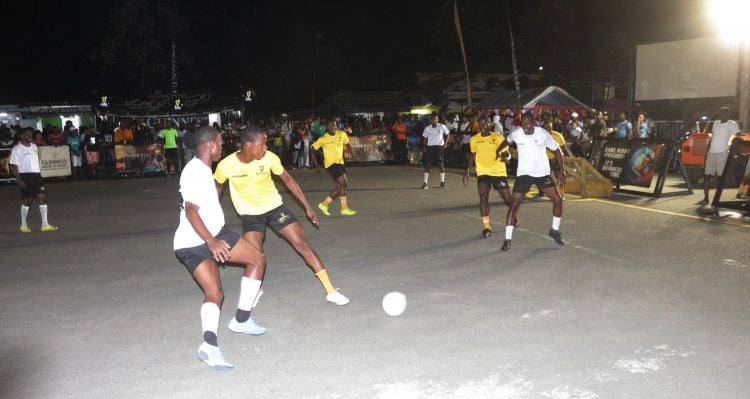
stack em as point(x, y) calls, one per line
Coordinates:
point(611, 157)
point(642, 164)
point(744, 190)
point(137, 160)
point(54, 161)
point(372, 148)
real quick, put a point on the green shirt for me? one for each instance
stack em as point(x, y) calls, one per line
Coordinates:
point(170, 137)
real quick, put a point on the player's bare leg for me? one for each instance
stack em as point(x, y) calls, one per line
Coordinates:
point(296, 237)
point(250, 256)
point(510, 220)
point(557, 211)
point(206, 275)
point(483, 189)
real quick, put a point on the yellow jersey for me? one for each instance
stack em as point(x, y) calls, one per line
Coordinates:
point(559, 139)
point(251, 187)
point(333, 147)
point(485, 154)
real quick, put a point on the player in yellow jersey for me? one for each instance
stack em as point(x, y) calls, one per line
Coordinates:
point(333, 143)
point(489, 151)
point(259, 203)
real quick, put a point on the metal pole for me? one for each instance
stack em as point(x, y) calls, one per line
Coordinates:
point(745, 87)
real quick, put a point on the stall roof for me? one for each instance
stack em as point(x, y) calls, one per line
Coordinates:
point(545, 96)
point(353, 102)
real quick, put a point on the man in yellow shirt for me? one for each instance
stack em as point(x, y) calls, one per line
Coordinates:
point(333, 144)
point(489, 151)
point(259, 203)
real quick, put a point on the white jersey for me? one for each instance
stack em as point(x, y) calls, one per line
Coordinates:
point(722, 134)
point(532, 151)
point(197, 187)
point(25, 158)
point(435, 135)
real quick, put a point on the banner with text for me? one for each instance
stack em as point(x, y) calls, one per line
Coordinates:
point(139, 159)
point(372, 148)
point(5, 173)
point(54, 161)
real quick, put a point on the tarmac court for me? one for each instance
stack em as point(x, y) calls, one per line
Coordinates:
point(647, 298)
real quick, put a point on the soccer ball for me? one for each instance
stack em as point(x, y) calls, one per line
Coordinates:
point(394, 303)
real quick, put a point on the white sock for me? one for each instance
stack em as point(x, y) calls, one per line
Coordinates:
point(249, 288)
point(426, 177)
point(210, 317)
point(556, 223)
point(43, 211)
point(24, 213)
point(508, 232)
point(442, 177)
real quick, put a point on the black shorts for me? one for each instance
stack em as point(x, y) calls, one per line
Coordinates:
point(172, 154)
point(433, 154)
point(277, 219)
point(496, 182)
point(194, 256)
point(336, 170)
point(34, 184)
point(524, 183)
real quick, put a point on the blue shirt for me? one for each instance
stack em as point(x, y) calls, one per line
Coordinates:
point(622, 128)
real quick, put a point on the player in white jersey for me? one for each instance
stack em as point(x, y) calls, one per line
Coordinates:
point(533, 169)
point(201, 243)
point(24, 159)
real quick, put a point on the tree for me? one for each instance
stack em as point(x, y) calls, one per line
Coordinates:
point(135, 54)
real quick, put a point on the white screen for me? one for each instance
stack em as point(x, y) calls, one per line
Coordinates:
point(694, 68)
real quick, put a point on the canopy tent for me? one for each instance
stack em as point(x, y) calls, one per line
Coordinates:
point(537, 100)
point(350, 103)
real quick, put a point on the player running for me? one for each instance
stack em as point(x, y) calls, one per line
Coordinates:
point(333, 144)
point(533, 168)
point(259, 203)
point(489, 151)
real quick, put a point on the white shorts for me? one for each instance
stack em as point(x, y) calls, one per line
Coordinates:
point(715, 162)
point(75, 160)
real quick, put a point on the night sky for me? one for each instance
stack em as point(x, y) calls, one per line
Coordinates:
point(75, 51)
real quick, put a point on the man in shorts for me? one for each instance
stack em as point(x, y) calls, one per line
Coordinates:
point(722, 131)
point(489, 151)
point(533, 169)
point(333, 143)
point(202, 243)
point(434, 141)
point(24, 159)
point(259, 203)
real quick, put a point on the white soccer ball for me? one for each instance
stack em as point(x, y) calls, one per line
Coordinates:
point(394, 303)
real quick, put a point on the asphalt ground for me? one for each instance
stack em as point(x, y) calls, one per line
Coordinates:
point(646, 299)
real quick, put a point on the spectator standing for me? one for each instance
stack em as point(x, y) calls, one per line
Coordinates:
point(75, 143)
point(642, 126)
point(171, 139)
point(187, 140)
point(399, 130)
point(623, 129)
point(92, 146)
point(718, 150)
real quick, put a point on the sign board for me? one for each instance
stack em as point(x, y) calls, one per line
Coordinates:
point(137, 160)
point(54, 161)
point(5, 172)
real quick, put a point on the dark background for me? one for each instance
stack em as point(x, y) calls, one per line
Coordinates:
point(77, 51)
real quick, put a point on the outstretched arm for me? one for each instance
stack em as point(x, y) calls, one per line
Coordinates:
point(296, 191)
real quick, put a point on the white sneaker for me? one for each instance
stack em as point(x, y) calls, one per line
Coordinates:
point(248, 327)
point(337, 298)
point(212, 356)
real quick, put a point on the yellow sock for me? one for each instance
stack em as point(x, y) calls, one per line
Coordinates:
point(323, 277)
point(343, 202)
point(327, 201)
point(486, 221)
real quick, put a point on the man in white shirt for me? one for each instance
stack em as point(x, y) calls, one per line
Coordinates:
point(201, 243)
point(533, 168)
point(434, 141)
point(24, 159)
point(718, 150)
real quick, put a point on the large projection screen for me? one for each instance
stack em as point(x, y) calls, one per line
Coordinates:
point(696, 68)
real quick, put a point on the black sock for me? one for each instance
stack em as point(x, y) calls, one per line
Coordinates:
point(242, 315)
point(210, 338)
